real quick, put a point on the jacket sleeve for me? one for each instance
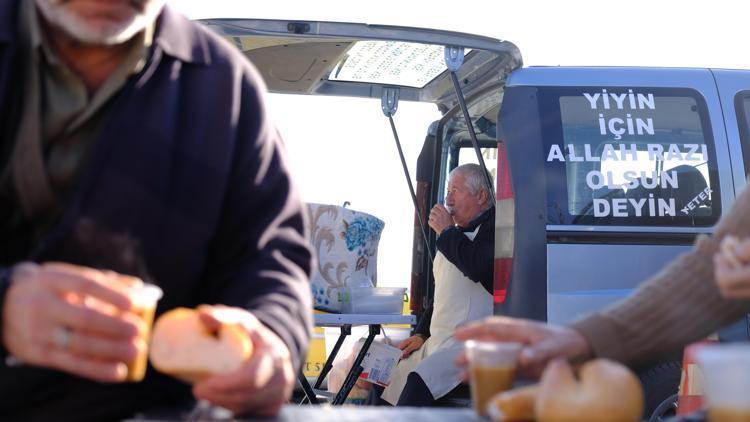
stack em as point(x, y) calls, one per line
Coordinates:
point(423, 327)
point(4, 284)
point(679, 305)
point(260, 258)
point(473, 258)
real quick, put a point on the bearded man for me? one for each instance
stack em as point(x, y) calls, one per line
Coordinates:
point(133, 141)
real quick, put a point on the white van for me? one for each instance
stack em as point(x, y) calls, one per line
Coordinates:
point(603, 175)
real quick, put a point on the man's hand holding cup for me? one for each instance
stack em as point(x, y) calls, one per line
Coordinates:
point(440, 218)
point(90, 323)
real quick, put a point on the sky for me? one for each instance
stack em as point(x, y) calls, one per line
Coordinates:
point(343, 150)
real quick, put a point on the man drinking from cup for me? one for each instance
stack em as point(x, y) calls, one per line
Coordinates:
point(463, 271)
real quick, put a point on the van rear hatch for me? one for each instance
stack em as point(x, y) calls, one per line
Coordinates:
point(462, 74)
point(360, 60)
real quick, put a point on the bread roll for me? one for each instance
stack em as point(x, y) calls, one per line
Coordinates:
point(513, 405)
point(183, 347)
point(607, 391)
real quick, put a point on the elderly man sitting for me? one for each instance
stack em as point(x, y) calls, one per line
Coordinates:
point(463, 271)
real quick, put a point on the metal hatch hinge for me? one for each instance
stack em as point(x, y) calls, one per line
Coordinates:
point(389, 101)
point(454, 57)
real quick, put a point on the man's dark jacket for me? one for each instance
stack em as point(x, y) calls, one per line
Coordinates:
point(186, 187)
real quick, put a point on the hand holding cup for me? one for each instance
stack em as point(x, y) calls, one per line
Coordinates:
point(75, 319)
point(440, 218)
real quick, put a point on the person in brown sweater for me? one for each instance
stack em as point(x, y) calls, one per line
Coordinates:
point(679, 305)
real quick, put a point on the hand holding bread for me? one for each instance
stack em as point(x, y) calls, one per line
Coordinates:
point(235, 361)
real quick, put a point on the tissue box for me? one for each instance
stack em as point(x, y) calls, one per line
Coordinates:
point(372, 300)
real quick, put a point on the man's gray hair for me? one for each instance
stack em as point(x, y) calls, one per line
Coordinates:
point(474, 177)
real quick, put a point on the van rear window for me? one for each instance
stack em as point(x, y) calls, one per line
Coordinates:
point(629, 156)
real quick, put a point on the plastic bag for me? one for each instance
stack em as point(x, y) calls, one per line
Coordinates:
point(340, 370)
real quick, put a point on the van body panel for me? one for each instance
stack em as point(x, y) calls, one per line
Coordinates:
point(519, 129)
point(616, 76)
point(700, 80)
point(582, 269)
point(734, 85)
point(588, 277)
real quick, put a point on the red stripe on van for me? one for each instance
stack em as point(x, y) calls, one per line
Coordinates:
point(504, 188)
point(504, 195)
point(502, 276)
point(504, 233)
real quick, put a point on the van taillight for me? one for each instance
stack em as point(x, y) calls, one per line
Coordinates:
point(504, 226)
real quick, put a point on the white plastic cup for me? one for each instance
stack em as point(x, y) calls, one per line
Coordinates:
point(144, 297)
point(492, 369)
point(726, 381)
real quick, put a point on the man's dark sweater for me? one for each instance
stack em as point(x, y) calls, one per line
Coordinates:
point(187, 188)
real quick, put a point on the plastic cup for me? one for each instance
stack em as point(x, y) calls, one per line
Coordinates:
point(144, 297)
point(492, 369)
point(726, 381)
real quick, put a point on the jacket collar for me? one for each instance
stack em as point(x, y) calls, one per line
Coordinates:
point(175, 34)
point(181, 39)
point(481, 218)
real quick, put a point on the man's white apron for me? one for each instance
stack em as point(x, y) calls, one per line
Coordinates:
point(457, 301)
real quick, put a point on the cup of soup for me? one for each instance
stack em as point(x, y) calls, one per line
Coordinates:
point(492, 369)
point(726, 381)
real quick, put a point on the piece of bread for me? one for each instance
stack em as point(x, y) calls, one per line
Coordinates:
point(513, 405)
point(607, 391)
point(182, 346)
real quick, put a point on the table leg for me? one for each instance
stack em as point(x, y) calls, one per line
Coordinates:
point(309, 392)
point(346, 329)
point(356, 369)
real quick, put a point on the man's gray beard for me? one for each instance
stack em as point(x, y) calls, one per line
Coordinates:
point(82, 31)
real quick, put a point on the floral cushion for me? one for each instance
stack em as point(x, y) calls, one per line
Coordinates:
point(346, 245)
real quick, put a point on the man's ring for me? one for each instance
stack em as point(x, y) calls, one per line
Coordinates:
point(62, 337)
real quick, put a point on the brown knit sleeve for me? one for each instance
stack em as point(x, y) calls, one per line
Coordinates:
point(679, 305)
